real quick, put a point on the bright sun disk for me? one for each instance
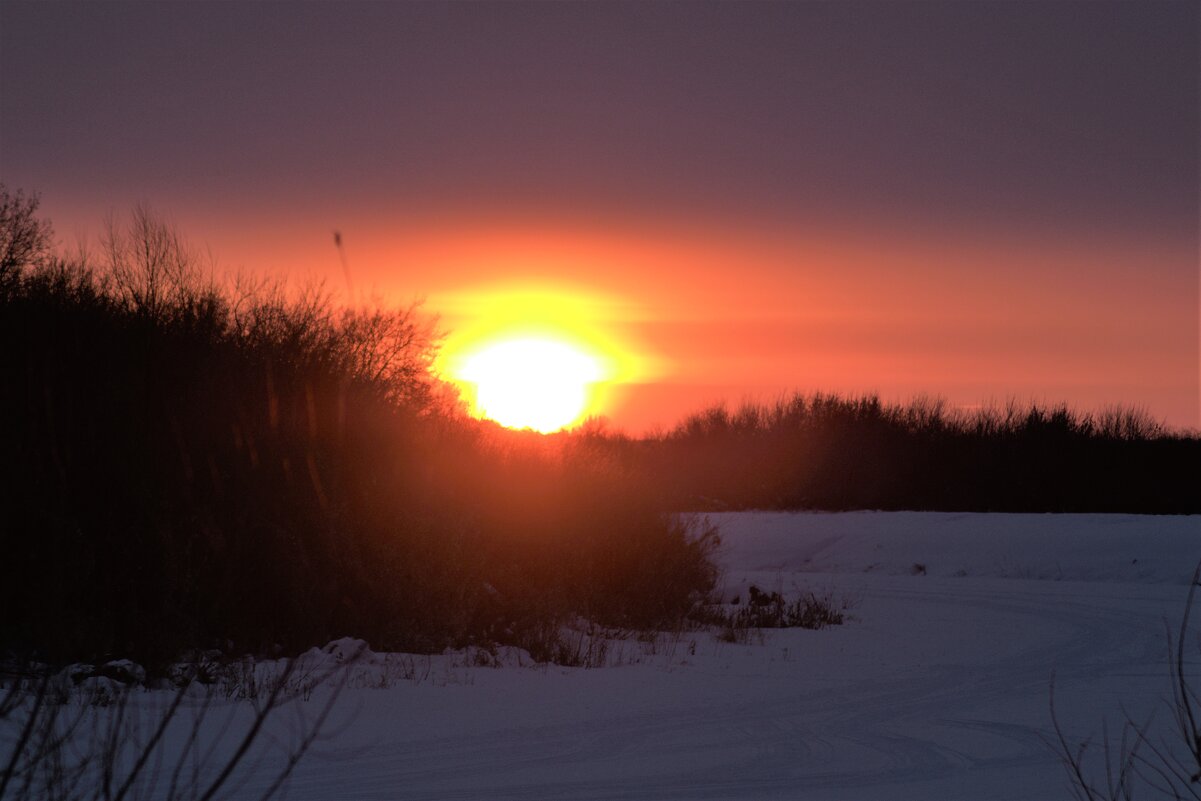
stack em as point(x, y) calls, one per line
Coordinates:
point(533, 383)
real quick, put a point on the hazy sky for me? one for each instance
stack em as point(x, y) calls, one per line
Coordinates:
point(972, 199)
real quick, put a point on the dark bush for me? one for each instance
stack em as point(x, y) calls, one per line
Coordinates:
point(192, 464)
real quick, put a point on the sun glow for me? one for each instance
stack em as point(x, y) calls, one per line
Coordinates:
point(537, 356)
point(541, 384)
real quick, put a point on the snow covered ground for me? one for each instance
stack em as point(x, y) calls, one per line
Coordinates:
point(936, 689)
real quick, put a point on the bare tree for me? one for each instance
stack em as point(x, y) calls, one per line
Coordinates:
point(24, 238)
point(152, 267)
point(391, 347)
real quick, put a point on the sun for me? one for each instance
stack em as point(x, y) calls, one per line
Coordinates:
point(531, 382)
point(539, 356)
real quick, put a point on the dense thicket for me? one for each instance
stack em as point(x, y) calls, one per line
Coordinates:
point(832, 453)
point(193, 464)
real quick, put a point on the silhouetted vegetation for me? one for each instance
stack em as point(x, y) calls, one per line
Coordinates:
point(193, 462)
point(196, 463)
point(25, 238)
point(770, 610)
point(833, 453)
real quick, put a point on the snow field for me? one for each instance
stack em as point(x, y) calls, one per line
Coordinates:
point(936, 688)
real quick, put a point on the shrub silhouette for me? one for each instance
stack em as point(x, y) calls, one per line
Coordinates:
point(196, 463)
point(828, 452)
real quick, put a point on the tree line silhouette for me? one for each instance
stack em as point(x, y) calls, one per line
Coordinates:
point(826, 452)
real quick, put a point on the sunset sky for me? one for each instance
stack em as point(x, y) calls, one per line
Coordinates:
point(977, 200)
